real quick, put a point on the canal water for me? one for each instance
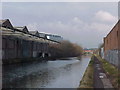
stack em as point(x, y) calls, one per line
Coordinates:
point(50, 74)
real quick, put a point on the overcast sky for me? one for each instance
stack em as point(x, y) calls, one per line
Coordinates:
point(83, 23)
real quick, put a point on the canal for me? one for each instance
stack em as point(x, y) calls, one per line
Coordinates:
point(51, 74)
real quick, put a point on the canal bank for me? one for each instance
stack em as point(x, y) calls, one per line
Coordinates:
point(87, 80)
point(112, 72)
point(100, 74)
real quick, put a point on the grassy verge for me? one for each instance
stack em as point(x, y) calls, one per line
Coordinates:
point(87, 80)
point(111, 71)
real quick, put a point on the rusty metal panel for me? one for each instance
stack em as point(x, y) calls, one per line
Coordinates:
point(10, 43)
point(18, 48)
point(10, 54)
point(3, 48)
point(25, 49)
point(10, 49)
point(31, 49)
point(34, 46)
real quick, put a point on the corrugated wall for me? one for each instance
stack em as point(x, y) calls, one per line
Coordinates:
point(16, 48)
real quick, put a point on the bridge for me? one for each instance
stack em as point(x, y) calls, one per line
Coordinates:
point(20, 45)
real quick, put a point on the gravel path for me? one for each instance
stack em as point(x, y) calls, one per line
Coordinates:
point(100, 79)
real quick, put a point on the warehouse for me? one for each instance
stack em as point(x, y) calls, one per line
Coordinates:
point(112, 45)
point(21, 45)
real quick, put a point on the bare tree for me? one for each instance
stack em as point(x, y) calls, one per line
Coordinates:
point(66, 49)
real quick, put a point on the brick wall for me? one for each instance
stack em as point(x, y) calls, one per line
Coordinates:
point(111, 40)
point(119, 35)
point(112, 45)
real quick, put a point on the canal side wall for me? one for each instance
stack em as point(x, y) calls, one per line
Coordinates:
point(20, 49)
point(112, 56)
point(0, 61)
point(0, 47)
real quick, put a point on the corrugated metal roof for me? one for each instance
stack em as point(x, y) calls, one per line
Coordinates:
point(8, 29)
point(22, 29)
point(34, 32)
point(2, 21)
point(21, 35)
point(6, 23)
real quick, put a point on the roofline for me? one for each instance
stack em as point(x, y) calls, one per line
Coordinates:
point(3, 21)
point(15, 29)
point(20, 27)
point(37, 36)
point(33, 31)
point(113, 28)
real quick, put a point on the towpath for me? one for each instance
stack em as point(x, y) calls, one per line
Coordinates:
point(100, 78)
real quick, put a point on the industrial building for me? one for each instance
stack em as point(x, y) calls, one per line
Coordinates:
point(54, 37)
point(112, 45)
point(20, 45)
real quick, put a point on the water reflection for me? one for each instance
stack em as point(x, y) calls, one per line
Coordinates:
point(51, 74)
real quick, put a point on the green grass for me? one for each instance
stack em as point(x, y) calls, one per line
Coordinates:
point(87, 80)
point(111, 71)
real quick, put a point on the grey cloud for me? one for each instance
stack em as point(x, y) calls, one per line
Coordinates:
point(73, 21)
